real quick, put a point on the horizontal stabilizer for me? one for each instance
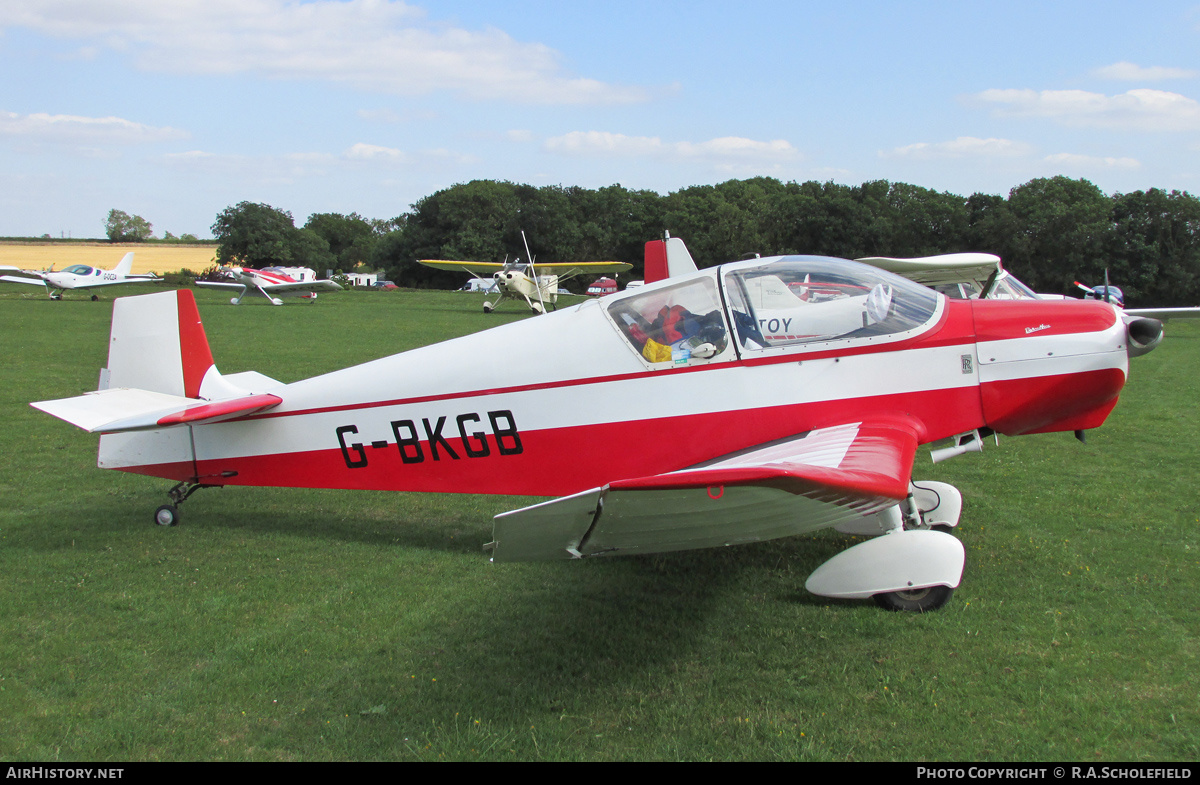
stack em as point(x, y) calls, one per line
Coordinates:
point(161, 373)
point(121, 409)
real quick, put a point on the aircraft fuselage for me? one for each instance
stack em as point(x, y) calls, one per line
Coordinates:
point(592, 403)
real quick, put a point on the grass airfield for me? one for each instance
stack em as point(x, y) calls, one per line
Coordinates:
point(279, 624)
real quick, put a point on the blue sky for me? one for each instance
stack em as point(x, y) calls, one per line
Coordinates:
point(175, 110)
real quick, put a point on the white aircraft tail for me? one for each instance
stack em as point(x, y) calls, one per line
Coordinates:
point(158, 344)
point(667, 258)
point(160, 373)
point(125, 266)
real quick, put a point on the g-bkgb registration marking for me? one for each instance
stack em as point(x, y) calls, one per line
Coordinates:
point(474, 443)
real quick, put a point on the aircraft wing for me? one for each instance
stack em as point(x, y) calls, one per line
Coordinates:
point(19, 279)
point(302, 286)
point(807, 482)
point(218, 285)
point(1163, 314)
point(474, 268)
point(943, 269)
point(561, 269)
point(275, 288)
point(566, 270)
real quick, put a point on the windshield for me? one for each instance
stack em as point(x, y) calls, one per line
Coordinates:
point(1009, 288)
point(78, 269)
point(805, 299)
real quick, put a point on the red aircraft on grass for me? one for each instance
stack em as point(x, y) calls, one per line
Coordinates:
point(272, 283)
point(751, 400)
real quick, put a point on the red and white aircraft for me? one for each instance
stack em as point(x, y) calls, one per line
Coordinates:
point(748, 401)
point(80, 276)
point(272, 283)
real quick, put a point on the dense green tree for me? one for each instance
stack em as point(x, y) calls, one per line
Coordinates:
point(1154, 252)
point(922, 222)
point(121, 227)
point(350, 237)
point(1062, 229)
point(259, 235)
point(1049, 231)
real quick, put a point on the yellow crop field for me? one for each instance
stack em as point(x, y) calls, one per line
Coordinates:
point(146, 258)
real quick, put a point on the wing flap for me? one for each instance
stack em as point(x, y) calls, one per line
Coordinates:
point(804, 483)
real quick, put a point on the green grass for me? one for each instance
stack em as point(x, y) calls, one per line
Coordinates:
point(283, 624)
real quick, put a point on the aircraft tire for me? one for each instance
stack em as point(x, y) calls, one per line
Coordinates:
point(918, 601)
point(95, 297)
point(167, 515)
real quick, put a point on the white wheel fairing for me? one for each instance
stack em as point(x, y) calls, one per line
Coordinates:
point(898, 561)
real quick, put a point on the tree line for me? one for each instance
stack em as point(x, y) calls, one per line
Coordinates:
point(1050, 232)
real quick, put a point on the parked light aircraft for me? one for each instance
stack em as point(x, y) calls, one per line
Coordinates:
point(80, 276)
point(270, 283)
point(537, 284)
point(744, 402)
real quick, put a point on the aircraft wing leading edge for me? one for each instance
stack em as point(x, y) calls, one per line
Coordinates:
point(807, 482)
point(550, 268)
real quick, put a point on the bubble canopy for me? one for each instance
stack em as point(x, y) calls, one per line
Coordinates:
point(803, 299)
point(787, 302)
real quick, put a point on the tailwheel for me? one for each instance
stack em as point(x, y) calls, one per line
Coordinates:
point(914, 600)
point(167, 515)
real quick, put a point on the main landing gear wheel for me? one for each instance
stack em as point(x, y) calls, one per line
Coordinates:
point(167, 515)
point(916, 600)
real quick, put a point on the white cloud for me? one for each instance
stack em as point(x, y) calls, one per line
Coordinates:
point(604, 143)
point(1091, 162)
point(1142, 110)
point(73, 129)
point(374, 45)
point(961, 147)
point(375, 153)
point(288, 168)
point(1130, 72)
point(723, 150)
point(738, 148)
point(291, 168)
